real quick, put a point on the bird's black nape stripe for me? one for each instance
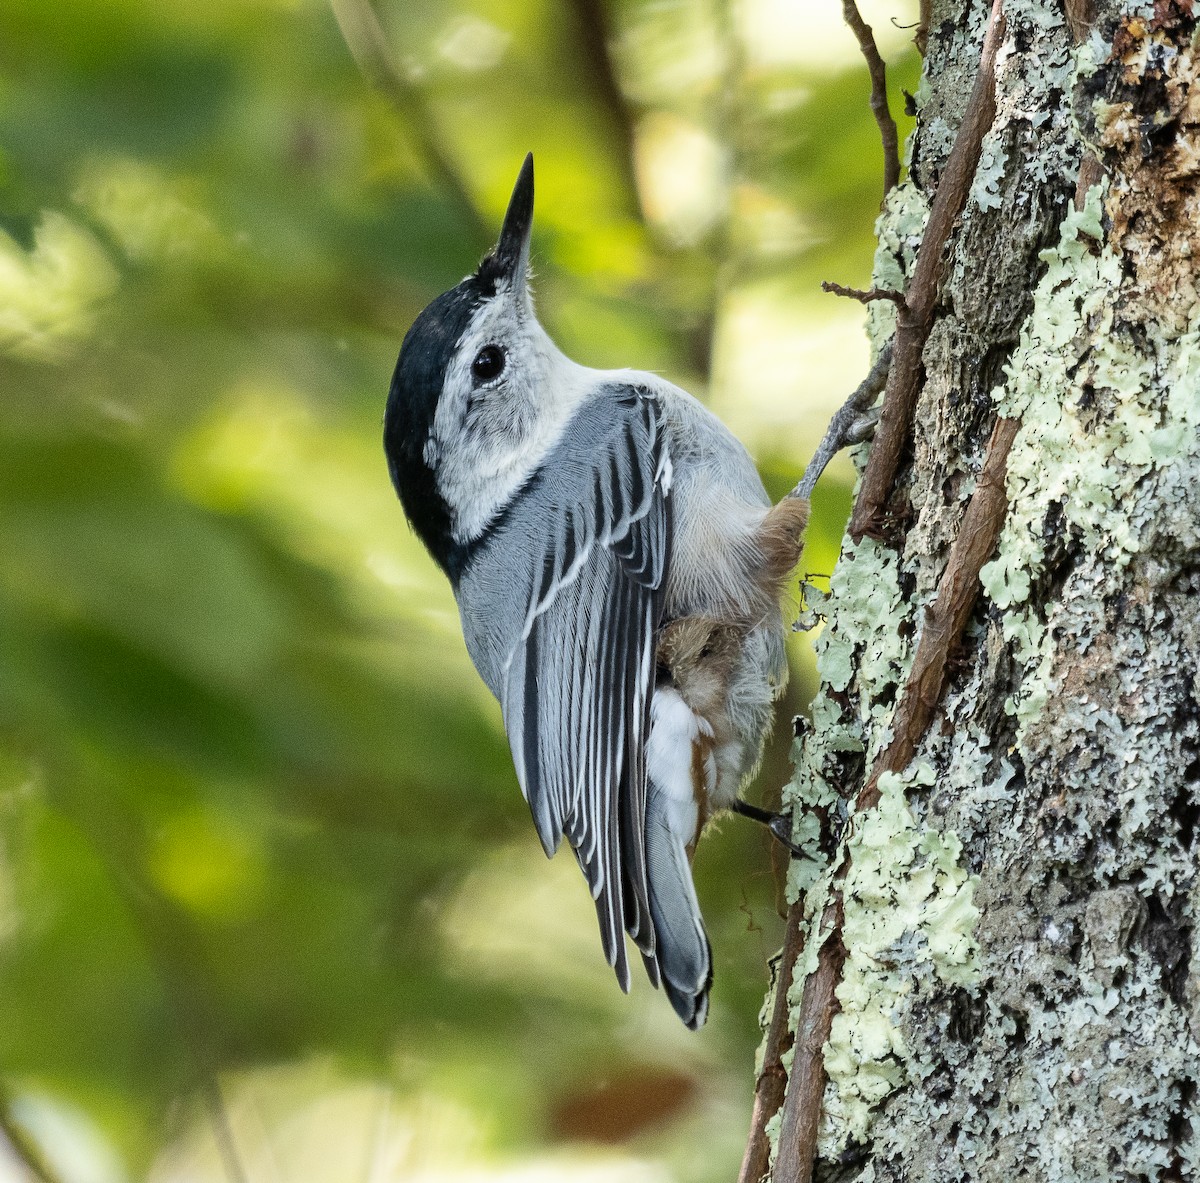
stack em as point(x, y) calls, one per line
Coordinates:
point(429, 346)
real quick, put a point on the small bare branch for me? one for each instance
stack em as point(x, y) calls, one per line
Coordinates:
point(796, 1150)
point(915, 317)
point(921, 37)
point(879, 99)
point(772, 1078)
point(368, 45)
point(862, 295)
point(947, 617)
point(222, 1129)
point(1080, 17)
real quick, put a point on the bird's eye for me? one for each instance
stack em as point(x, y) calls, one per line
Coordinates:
point(488, 363)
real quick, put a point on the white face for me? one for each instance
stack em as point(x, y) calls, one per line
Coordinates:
point(490, 433)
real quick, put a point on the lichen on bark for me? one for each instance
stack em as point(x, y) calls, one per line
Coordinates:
point(1058, 791)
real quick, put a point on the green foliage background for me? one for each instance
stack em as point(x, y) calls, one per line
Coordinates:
point(270, 902)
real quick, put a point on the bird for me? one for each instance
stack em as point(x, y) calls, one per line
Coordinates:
point(618, 568)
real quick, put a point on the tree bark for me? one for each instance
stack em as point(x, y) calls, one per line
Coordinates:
point(1017, 990)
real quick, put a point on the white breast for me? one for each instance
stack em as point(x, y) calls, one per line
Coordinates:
point(674, 731)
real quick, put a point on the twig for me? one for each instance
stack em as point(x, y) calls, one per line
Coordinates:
point(368, 45)
point(222, 1127)
point(1080, 17)
point(841, 426)
point(796, 1150)
point(22, 1145)
point(945, 621)
point(772, 1078)
point(595, 37)
point(879, 99)
point(921, 37)
point(947, 617)
point(915, 315)
point(1079, 14)
point(162, 929)
point(862, 295)
point(1091, 172)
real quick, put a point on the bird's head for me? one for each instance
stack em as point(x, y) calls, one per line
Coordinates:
point(473, 402)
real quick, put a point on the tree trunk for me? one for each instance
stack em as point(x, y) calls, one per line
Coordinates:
point(1008, 915)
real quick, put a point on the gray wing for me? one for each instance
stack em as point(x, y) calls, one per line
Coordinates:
point(682, 954)
point(583, 549)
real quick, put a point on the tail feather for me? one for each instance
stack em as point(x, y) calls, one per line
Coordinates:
point(682, 957)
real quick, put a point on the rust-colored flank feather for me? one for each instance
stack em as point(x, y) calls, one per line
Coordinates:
point(779, 541)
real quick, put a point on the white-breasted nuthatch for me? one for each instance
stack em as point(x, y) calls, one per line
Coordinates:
point(617, 566)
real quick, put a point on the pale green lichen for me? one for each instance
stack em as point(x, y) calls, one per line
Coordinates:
point(861, 645)
point(909, 912)
point(861, 642)
point(985, 189)
point(1097, 414)
point(898, 231)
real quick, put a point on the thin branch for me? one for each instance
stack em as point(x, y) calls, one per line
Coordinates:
point(945, 621)
point(595, 39)
point(862, 295)
point(879, 99)
point(22, 1145)
point(1080, 15)
point(1080, 18)
point(841, 426)
point(797, 1146)
point(162, 929)
point(947, 617)
point(159, 926)
point(1091, 172)
point(921, 37)
point(368, 45)
point(222, 1127)
point(772, 1078)
point(915, 316)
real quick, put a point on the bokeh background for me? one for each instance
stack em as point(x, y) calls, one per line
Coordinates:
point(271, 907)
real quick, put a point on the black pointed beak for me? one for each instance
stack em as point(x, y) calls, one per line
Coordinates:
point(510, 259)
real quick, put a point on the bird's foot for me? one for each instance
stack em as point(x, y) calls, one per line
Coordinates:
point(863, 428)
point(853, 423)
point(779, 824)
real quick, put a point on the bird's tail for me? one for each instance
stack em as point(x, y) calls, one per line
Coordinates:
point(682, 958)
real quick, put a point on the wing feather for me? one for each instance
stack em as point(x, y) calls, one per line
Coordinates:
point(593, 530)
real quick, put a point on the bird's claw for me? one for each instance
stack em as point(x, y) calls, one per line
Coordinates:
point(780, 824)
point(781, 829)
point(863, 428)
